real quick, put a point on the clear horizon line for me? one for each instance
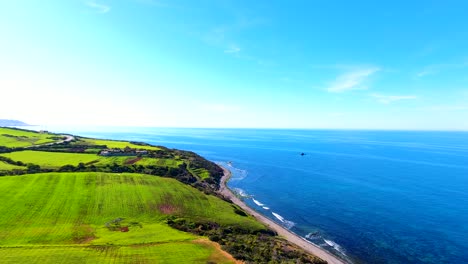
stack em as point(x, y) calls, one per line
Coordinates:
point(258, 128)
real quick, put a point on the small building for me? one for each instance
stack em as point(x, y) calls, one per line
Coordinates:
point(122, 152)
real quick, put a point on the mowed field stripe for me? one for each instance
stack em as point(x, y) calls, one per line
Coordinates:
point(61, 218)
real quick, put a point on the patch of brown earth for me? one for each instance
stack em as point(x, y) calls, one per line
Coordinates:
point(169, 205)
point(83, 234)
point(168, 209)
point(132, 161)
point(219, 256)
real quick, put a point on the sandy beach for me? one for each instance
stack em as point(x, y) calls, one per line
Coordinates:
point(283, 232)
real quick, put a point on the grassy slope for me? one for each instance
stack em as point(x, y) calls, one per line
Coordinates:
point(50, 159)
point(159, 162)
point(6, 166)
point(57, 159)
point(182, 252)
point(47, 217)
point(116, 144)
point(202, 173)
point(23, 138)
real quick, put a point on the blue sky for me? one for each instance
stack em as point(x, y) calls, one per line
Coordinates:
point(272, 64)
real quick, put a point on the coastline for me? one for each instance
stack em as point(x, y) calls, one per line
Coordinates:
point(283, 232)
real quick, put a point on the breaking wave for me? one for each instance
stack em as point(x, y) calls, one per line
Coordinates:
point(240, 192)
point(236, 173)
point(330, 243)
point(312, 235)
point(286, 223)
point(335, 246)
point(266, 208)
point(257, 202)
point(279, 217)
point(289, 224)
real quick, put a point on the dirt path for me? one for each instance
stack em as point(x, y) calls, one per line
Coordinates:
point(291, 237)
point(68, 138)
point(220, 252)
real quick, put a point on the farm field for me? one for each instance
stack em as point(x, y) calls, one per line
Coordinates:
point(6, 166)
point(58, 159)
point(64, 217)
point(176, 252)
point(14, 138)
point(115, 144)
point(159, 162)
point(202, 173)
point(51, 159)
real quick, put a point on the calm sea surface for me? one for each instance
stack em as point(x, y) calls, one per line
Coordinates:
point(372, 196)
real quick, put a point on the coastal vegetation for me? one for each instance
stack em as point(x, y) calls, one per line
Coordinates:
point(51, 159)
point(12, 138)
point(45, 217)
point(66, 200)
point(116, 143)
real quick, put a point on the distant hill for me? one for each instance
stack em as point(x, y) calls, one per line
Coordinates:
point(8, 122)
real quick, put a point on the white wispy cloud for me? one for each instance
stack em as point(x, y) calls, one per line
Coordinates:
point(100, 8)
point(352, 80)
point(436, 68)
point(388, 99)
point(233, 48)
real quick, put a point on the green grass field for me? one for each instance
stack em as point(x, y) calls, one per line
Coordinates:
point(51, 159)
point(58, 159)
point(61, 217)
point(176, 252)
point(201, 173)
point(159, 162)
point(6, 166)
point(13, 138)
point(115, 144)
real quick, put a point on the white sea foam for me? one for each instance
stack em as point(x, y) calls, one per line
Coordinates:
point(329, 242)
point(289, 224)
point(286, 223)
point(312, 235)
point(237, 174)
point(266, 208)
point(241, 192)
point(335, 246)
point(257, 202)
point(279, 217)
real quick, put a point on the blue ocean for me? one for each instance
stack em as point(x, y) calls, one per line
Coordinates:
point(369, 196)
